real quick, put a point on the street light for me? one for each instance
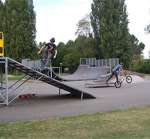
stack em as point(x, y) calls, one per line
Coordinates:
point(60, 67)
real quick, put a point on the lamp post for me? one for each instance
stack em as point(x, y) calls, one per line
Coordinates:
point(60, 68)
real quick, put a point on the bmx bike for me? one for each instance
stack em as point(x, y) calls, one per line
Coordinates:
point(126, 78)
point(102, 82)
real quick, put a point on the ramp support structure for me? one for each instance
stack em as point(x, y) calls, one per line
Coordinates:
point(8, 91)
point(4, 82)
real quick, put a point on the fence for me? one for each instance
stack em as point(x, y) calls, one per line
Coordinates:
point(37, 65)
point(93, 62)
point(111, 62)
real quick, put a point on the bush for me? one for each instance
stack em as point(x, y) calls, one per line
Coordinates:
point(143, 67)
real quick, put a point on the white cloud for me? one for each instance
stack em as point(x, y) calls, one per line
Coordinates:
point(139, 17)
point(60, 21)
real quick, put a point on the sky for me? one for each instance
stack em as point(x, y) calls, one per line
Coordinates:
point(59, 18)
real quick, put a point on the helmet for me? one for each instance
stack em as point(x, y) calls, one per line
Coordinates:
point(52, 40)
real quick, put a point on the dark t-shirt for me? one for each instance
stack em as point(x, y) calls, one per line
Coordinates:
point(117, 68)
point(51, 45)
point(48, 47)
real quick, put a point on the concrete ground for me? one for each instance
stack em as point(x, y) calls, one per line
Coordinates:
point(47, 103)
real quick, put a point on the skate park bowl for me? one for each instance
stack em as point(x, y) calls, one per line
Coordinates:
point(92, 69)
point(88, 69)
point(85, 72)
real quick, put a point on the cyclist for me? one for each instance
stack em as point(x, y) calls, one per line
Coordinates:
point(115, 72)
point(49, 52)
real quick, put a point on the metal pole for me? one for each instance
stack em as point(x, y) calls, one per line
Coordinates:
point(6, 78)
point(59, 71)
point(61, 68)
point(81, 95)
point(80, 62)
point(59, 91)
point(110, 65)
point(1, 75)
point(51, 72)
point(1, 82)
point(51, 68)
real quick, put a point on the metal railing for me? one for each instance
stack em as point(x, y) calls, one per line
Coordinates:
point(111, 62)
point(38, 65)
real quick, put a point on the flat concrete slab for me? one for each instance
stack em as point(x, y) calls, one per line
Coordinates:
point(47, 103)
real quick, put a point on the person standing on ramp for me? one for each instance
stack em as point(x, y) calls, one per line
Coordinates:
point(48, 52)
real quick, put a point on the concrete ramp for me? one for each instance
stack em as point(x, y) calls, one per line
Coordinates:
point(86, 72)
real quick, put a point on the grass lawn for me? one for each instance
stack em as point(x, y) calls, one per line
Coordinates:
point(15, 77)
point(121, 124)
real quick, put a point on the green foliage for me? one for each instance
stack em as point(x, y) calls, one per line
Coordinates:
point(142, 67)
point(71, 60)
point(1, 16)
point(19, 29)
point(137, 49)
point(110, 26)
point(70, 53)
point(62, 51)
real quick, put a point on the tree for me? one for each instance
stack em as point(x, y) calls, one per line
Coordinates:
point(70, 53)
point(84, 27)
point(62, 51)
point(148, 29)
point(137, 49)
point(110, 27)
point(20, 29)
point(86, 46)
point(2, 16)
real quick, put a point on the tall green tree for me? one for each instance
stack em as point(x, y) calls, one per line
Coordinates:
point(70, 53)
point(110, 27)
point(20, 29)
point(137, 49)
point(1, 16)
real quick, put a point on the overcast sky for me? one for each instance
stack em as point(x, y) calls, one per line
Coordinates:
point(58, 18)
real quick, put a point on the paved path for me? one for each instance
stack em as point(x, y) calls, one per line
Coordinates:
point(47, 103)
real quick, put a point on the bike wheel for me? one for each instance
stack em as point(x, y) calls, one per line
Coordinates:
point(128, 79)
point(117, 84)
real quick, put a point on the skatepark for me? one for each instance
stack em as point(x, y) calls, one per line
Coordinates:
point(53, 98)
point(74, 69)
